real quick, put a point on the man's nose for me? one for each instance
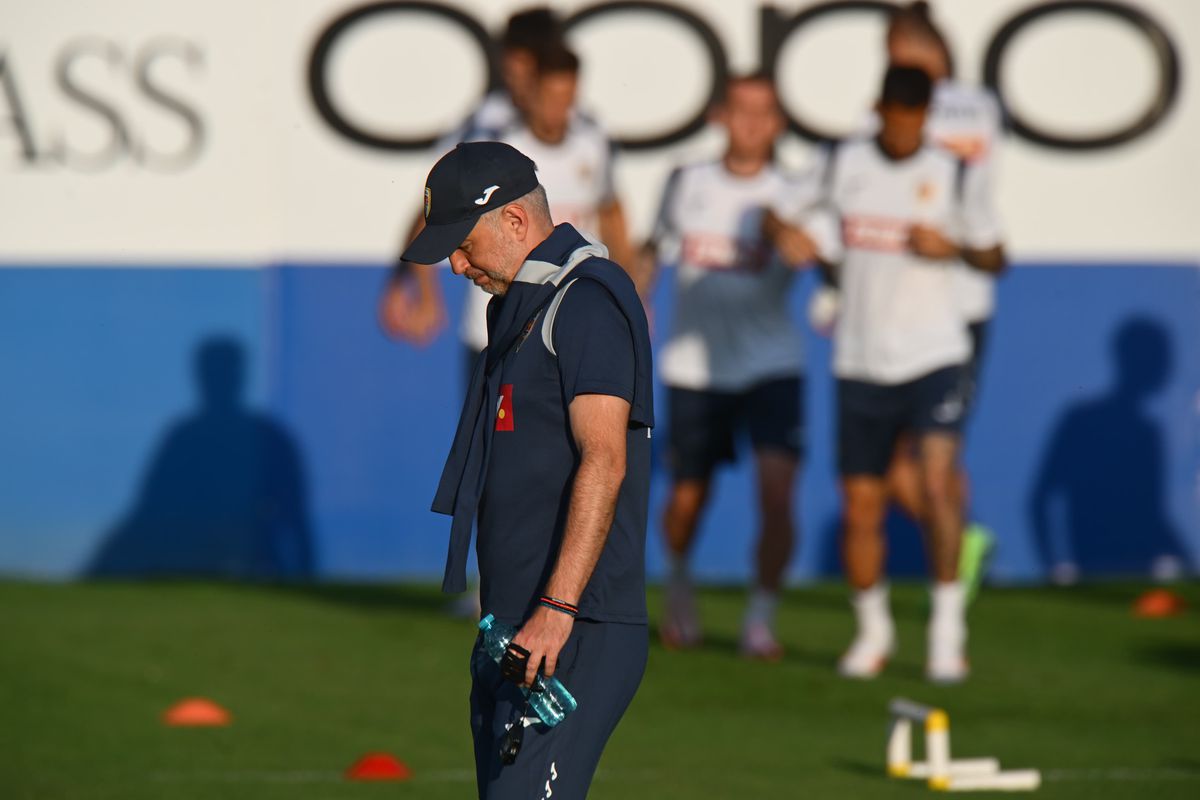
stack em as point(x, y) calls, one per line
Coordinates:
point(458, 262)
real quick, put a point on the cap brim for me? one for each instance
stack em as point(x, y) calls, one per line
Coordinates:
point(437, 242)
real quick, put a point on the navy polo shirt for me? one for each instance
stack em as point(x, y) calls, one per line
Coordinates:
point(588, 349)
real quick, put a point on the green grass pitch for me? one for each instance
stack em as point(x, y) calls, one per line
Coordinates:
point(1065, 680)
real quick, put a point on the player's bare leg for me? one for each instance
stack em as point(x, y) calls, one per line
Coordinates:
point(863, 551)
point(776, 541)
point(904, 479)
point(681, 620)
point(943, 533)
point(904, 487)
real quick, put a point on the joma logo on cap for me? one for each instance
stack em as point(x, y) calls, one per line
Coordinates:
point(487, 195)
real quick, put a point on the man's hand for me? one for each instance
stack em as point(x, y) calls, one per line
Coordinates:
point(929, 242)
point(396, 309)
point(543, 635)
point(412, 313)
point(794, 244)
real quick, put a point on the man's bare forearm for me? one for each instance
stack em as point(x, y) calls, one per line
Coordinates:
point(615, 234)
point(589, 519)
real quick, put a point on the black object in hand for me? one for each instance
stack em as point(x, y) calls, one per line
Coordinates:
point(512, 665)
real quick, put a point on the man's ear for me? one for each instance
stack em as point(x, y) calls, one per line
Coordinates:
point(515, 219)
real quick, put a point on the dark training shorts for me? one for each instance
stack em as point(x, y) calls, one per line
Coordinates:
point(703, 425)
point(871, 416)
point(601, 665)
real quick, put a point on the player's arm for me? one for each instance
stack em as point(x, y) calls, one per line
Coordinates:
point(596, 366)
point(978, 243)
point(411, 307)
point(794, 244)
point(663, 237)
point(991, 260)
point(981, 247)
point(800, 222)
point(647, 259)
point(929, 242)
point(615, 234)
point(599, 423)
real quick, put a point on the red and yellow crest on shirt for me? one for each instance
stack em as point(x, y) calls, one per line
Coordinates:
point(504, 408)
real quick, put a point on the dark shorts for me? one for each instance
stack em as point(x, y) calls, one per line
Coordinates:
point(601, 665)
point(872, 417)
point(703, 425)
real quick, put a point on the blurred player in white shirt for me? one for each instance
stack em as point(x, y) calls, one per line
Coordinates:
point(411, 307)
point(967, 121)
point(574, 159)
point(911, 214)
point(732, 362)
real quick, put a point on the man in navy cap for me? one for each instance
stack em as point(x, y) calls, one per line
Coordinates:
point(551, 460)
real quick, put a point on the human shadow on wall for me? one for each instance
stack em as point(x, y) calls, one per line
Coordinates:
point(224, 494)
point(1098, 504)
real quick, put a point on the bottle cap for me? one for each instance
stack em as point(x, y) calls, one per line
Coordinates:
point(486, 622)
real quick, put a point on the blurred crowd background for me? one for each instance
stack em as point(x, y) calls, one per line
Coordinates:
point(201, 204)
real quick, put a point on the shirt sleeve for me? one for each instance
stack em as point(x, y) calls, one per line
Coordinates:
point(593, 343)
point(978, 218)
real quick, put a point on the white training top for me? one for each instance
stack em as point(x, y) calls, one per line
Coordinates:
point(900, 316)
point(577, 174)
point(731, 328)
point(967, 121)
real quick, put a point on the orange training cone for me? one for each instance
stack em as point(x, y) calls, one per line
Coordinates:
point(196, 712)
point(378, 767)
point(1158, 603)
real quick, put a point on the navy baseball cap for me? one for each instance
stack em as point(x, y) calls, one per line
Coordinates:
point(466, 183)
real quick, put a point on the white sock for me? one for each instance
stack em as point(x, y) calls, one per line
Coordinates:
point(947, 621)
point(948, 604)
point(873, 612)
point(761, 606)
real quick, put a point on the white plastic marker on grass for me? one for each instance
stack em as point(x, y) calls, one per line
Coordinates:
point(941, 771)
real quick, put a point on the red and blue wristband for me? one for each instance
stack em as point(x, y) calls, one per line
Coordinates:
point(563, 606)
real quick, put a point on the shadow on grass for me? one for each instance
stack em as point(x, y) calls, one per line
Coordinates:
point(728, 645)
point(1176, 656)
point(825, 661)
point(371, 597)
point(874, 771)
point(1114, 594)
point(859, 767)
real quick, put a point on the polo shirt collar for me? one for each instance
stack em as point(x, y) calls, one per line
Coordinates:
point(550, 261)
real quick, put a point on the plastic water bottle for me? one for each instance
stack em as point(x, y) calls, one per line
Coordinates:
point(548, 697)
